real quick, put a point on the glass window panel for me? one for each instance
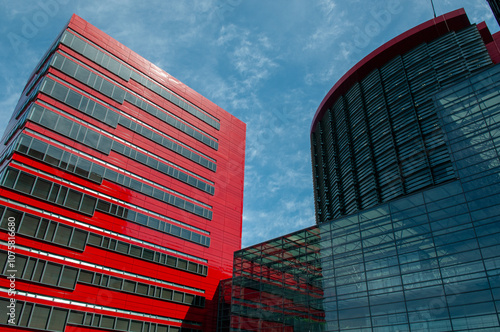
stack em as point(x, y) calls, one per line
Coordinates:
point(72, 162)
point(135, 326)
point(142, 289)
point(148, 254)
point(63, 234)
point(96, 321)
point(129, 286)
point(37, 275)
point(24, 144)
point(64, 126)
point(122, 247)
point(83, 167)
point(28, 307)
point(49, 119)
point(94, 239)
point(122, 324)
point(76, 317)
point(104, 144)
point(50, 231)
point(28, 272)
point(42, 229)
point(51, 274)
point(171, 261)
point(20, 262)
point(104, 281)
point(53, 155)
point(73, 199)
point(96, 173)
point(188, 299)
point(37, 149)
point(65, 160)
point(3, 260)
point(29, 225)
point(79, 239)
point(10, 177)
point(175, 230)
point(85, 276)
point(73, 99)
point(42, 188)
point(166, 294)
point(88, 204)
point(103, 206)
point(135, 251)
point(39, 317)
point(12, 215)
point(108, 322)
point(178, 297)
point(25, 182)
point(141, 219)
point(182, 264)
point(68, 277)
point(92, 138)
point(115, 283)
point(61, 195)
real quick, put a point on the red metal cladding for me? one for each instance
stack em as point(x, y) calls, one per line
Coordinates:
point(190, 116)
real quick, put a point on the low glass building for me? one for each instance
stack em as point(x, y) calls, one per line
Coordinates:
point(427, 259)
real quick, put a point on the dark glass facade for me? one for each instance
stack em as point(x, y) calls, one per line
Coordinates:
point(120, 195)
point(426, 259)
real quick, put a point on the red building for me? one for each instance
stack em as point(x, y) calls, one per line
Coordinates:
point(122, 189)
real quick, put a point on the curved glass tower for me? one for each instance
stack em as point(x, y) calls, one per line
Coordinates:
point(376, 135)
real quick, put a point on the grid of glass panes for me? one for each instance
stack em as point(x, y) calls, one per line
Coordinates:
point(277, 285)
point(428, 261)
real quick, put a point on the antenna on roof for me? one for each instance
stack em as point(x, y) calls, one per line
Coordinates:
point(433, 10)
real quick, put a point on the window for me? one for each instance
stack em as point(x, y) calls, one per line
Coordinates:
point(73, 199)
point(68, 277)
point(88, 204)
point(42, 188)
point(85, 276)
point(53, 156)
point(25, 182)
point(63, 235)
point(79, 239)
point(51, 274)
point(39, 317)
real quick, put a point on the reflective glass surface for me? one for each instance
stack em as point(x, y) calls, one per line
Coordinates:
point(429, 261)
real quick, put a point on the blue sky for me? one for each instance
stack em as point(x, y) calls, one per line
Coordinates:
point(270, 63)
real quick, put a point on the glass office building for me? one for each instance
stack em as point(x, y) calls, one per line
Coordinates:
point(122, 190)
point(406, 164)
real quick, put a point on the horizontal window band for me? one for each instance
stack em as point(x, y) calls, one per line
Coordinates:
point(55, 318)
point(169, 168)
point(59, 275)
point(42, 151)
point(93, 139)
point(102, 268)
point(87, 190)
point(88, 76)
point(56, 233)
point(70, 97)
point(81, 45)
point(37, 135)
point(54, 193)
